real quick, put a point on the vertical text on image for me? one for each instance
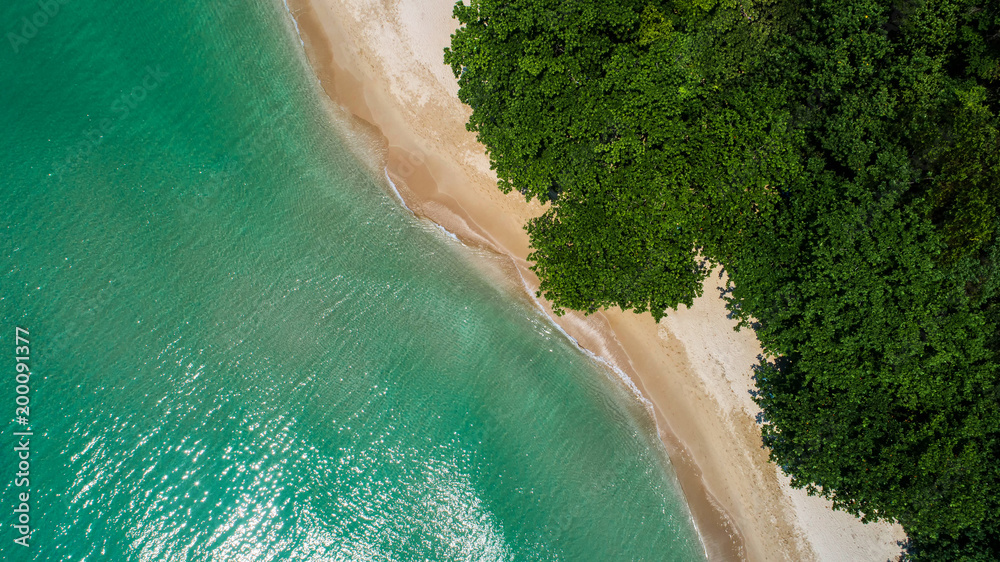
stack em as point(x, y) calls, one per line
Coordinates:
point(22, 437)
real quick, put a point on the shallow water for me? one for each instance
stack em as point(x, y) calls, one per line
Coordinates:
point(243, 349)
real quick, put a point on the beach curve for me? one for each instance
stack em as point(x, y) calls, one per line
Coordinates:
point(381, 64)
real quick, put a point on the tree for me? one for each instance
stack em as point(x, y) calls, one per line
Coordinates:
point(646, 148)
point(839, 158)
point(873, 286)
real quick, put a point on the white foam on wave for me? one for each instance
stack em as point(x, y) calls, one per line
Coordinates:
point(627, 381)
point(620, 374)
point(295, 22)
point(624, 378)
point(447, 232)
point(298, 34)
point(395, 191)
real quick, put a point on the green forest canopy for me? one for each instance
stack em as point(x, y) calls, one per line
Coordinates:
point(839, 159)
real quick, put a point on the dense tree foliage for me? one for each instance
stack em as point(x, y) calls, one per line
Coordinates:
point(602, 108)
point(839, 158)
point(875, 281)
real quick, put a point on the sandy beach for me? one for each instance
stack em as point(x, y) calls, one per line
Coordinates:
point(380, 62)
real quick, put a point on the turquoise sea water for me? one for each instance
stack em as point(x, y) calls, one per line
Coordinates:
point(242, 349)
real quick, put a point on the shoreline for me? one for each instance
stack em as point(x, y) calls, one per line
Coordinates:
point(381, 63)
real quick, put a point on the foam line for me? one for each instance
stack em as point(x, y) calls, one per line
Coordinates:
point(622, 376)
point(395, 190)
point(295, 22)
